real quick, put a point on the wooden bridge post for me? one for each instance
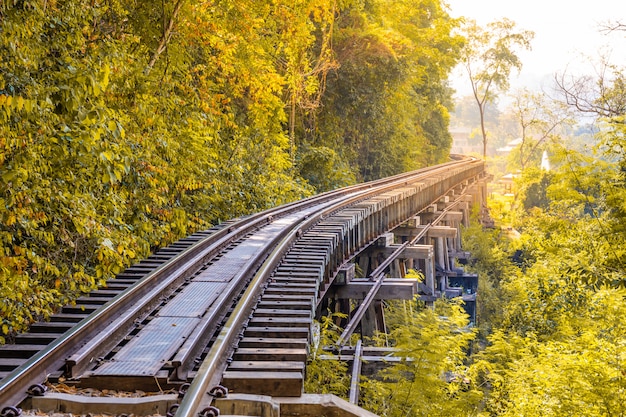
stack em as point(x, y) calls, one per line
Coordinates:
point(373, 320)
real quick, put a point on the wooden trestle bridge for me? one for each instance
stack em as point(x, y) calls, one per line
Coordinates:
point(221, 322)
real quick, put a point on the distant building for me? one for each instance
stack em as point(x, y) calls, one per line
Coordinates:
point(545, 162)
point(509, 146)
point(508, 182)
point(461, 141)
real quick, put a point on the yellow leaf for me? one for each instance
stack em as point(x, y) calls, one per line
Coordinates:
point(19, 103)
point(106, 155)
point(105, 76)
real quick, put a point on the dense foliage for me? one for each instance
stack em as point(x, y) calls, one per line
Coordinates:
point(393, 59)
point(550, 337)
point(554, 306)
point(127, 125)
point(432, 378)
point(553, 322)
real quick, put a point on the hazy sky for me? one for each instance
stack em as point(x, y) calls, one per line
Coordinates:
point(567, 34)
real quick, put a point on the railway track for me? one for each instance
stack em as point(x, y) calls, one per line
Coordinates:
point(232, 306)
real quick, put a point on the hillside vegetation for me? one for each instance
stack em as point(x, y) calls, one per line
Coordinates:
point(125, 125)
point(550, 335)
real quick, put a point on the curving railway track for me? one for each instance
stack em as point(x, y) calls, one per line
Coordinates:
point(231, 307)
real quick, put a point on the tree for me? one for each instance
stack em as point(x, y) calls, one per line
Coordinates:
point(540, 118)
point(613, 26)
point(602, 95)
point(489, 57)
point(385, 107)
point(123, 127)
point(432, 381)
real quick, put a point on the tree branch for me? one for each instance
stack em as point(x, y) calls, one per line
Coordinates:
point(613, 26)
point(168, 31)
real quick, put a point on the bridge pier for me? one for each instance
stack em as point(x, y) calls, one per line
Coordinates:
point(435, 254)
point(357, 242)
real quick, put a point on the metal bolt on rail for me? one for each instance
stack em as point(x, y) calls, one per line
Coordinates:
point(37, 390)
point(183, 390)
point(10, 412)
point(210, 412)
point(219, 391)
point(172, 411)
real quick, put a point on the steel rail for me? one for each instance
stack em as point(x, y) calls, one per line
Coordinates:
point(36, 369)
point(104, 341)
point(208, 374)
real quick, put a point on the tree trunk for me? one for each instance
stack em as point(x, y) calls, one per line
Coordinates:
point(481, 109)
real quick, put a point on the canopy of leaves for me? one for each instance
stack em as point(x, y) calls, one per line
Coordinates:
point(119, 134)
point(385, 105)
point(127, 125)
point(554, 342)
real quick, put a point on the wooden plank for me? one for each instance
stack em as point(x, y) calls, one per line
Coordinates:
point(356, 373)
point(35, 338)
point(8, 364)
point(273, 342)
point(67, 318)
point(79, 309)
point(391, 289)
point(259, 354)
point(98, 301)
point(301, 266)
point(54, 327)
point(275, 312)
point(283, 332)
point(371, 350)
point(272, 289)
point(267, 366)
point(280, 321)
point(129, 383)
point(305, 278)
point(307, 258)
point(285, 297)
point(286, 305)
point(365, 358)
point(292, 284)
point(453, 216)
point(276, 384)
point(410, 252)
point(83, 405)
point(440, 231)
point(24, 351)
